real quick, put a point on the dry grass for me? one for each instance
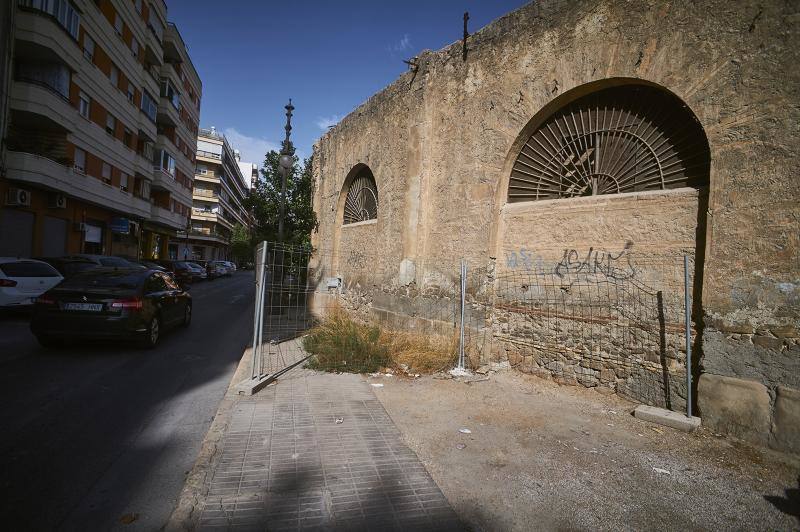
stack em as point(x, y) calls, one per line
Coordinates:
point(340, 343)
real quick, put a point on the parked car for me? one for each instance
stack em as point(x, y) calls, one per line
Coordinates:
point(67, 266)
point(214, 269)
point(198, 272)
point(231, 266)
point(179, 269)
point(107, 261)
point(222, 267)
point(23, 280)
point(124, 303)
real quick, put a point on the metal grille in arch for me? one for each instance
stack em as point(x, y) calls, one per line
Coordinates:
point(361, 203)
point(619, 139)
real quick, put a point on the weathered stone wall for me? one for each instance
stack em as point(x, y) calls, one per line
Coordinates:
point(441, 141)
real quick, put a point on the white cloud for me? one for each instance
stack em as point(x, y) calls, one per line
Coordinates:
point(402, 45)
point(324, 122)
point(252, 149)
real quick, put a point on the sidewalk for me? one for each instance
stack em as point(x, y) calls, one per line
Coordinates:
point(313, 451)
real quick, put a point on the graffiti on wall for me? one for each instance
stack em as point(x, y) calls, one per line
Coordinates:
point(615, 265)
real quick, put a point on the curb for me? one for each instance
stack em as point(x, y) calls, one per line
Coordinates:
point(183, 517)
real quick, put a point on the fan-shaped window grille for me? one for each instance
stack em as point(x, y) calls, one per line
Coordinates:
point(619, 139)
point(361, 203)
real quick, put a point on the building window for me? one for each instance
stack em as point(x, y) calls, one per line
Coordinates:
point(146, 189)
point(106, 173)
point(114, 76)
point(139, 6)
point(202, 169)
point(84, 104)
point(80, 161)
point(135, 48)
point(149, 106)
point(118, 24)
point(127, 137)
point(111, 124)
point(619, 139)
point(361, 203)
point(88, 47)
point(131, 92)
point(167, 163)
point(168, 91)
point(123, 181)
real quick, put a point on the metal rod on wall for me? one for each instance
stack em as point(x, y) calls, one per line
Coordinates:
point(461, 361)
point(687, 305)
point(258, 314)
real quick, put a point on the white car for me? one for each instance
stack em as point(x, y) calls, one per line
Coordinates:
point(23, 280)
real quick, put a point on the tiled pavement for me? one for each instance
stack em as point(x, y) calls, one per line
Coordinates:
point(287, 464)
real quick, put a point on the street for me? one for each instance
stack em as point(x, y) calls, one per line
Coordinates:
point(101, 436)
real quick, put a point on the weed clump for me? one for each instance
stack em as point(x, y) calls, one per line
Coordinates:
point(341, 344)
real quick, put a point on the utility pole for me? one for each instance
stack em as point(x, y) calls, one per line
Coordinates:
point(286, 160)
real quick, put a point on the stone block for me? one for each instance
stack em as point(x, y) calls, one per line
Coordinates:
point(668, 418)
point(784, 331)
point(732, 327)
point(514, 358)
point(607, 375)
point(786, 420)
point(736, 407)
point(768, 342)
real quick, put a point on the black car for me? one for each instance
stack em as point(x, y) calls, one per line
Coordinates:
point(124, 303)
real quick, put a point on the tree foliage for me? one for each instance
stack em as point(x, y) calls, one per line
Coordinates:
point(264, 202)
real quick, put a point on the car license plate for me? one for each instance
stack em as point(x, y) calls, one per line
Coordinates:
point(91, 307)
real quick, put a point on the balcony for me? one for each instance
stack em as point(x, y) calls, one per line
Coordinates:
point(205, 195)
point(37, 26)
point(162, 216)
point(163, 180)
point(45, 173)
point(39, 98)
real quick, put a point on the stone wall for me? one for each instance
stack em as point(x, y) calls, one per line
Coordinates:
point(441, 141)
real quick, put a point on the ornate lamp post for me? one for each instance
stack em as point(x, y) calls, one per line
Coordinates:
point(285, 164)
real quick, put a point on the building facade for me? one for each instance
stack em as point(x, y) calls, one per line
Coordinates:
point(218, 195)
point(601, 137)
point(98, 153)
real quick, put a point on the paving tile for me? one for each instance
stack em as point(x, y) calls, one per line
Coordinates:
point(287, 465)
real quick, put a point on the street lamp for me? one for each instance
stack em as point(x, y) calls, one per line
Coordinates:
point(284, 165)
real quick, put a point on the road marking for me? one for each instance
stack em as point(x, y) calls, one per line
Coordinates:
point(236, 298)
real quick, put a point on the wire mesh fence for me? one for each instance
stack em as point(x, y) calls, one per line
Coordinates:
point(577, 325)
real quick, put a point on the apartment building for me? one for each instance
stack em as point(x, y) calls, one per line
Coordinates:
point(99, 149)
point(219, 190)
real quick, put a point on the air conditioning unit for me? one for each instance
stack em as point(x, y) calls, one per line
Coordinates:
point(17, 197)
point(57, 201)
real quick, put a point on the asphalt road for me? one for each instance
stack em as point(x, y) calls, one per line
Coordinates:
point(93, 433)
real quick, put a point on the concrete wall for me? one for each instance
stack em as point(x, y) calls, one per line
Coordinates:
point(441, 141)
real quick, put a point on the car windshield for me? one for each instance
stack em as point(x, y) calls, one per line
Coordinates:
point(120, 279)
point(115, 262)
point(28, 268)
point(71, 268)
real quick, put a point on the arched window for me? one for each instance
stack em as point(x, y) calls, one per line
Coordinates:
point(619, 139)
point(361, 202)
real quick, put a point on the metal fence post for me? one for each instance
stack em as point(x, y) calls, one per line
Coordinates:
point(259, 310)
point(688, 312)
point(463, 290)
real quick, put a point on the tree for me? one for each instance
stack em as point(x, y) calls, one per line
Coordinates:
point(241, 245)
point(264, 202)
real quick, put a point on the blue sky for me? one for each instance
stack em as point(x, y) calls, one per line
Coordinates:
point(328, 56)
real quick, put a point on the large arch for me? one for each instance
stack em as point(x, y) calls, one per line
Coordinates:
point(546, 112)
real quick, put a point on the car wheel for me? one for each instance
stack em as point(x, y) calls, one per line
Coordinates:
point(153, 333)
point(48, 341)
point(187, 316)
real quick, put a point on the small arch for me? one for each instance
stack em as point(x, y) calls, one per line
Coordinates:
point(357, 203)
point(359, 196)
